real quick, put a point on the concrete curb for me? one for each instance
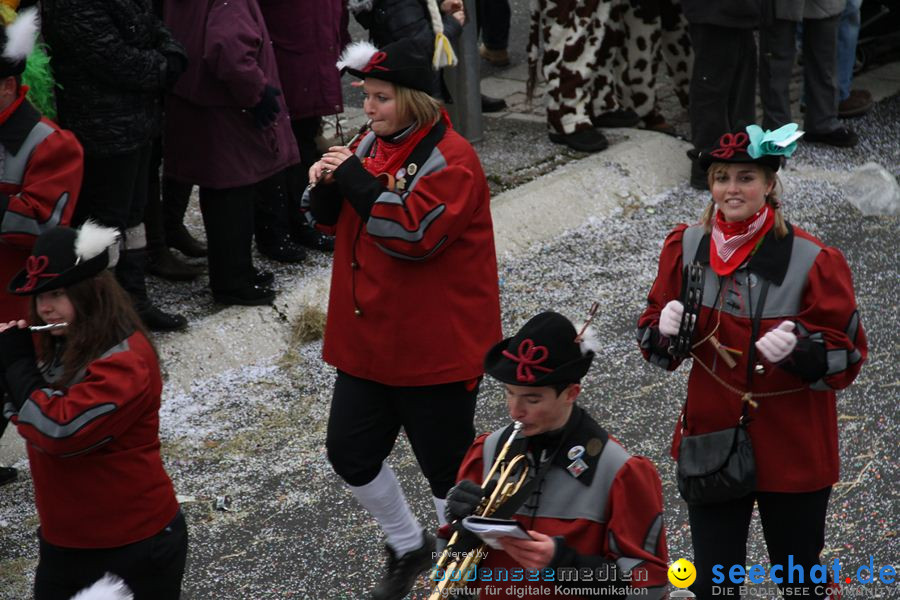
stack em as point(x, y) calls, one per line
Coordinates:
point(594, 186)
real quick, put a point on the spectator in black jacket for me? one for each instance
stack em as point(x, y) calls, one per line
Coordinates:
point(723, 82)
point(391, 20)
point(112, 58)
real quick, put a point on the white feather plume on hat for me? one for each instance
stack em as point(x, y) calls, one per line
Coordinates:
point(356, 55)
point(93, 239)
point(108, 587)
point(358, 6)
point(589, 341)
point(21, 35)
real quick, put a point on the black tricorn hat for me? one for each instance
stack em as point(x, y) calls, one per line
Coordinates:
point(63, 256)
point(732, 148)
point(544, 352)
point(402, 63)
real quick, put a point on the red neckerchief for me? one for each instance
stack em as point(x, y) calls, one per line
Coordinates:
point(9, 110)
point(732, 243)
point(389, 157)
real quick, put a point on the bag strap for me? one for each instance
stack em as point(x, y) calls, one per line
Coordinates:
point(720, 280)
point(423, 150)
point(751, 354)
point(754, 332)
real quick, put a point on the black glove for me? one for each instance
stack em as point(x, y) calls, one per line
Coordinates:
point(15, 344)
point(264, 112)
point(462, 500)
point(176, 62)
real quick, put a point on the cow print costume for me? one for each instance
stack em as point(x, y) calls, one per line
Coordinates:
point(599, 56)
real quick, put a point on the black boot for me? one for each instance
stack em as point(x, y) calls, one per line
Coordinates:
point(156, 320)
point(492, 105)
point(8, 475)
point(262, 278)
point(699, 179)
point(402, 571)
point(175, 198)
point(182, 240)
point(130, 273)
point(307, 235)
point(583, 140)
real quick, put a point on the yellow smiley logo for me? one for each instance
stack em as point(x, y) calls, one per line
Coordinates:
point(682, 573)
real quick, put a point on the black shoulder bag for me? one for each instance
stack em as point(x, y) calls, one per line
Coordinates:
point(719, 466)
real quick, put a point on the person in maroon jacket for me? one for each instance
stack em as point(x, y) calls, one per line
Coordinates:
point(308, 37)
point(587, 504)
point(227, 130)
point(414, 295)
point(777, 333)
point(86, 400)
point(42, 171)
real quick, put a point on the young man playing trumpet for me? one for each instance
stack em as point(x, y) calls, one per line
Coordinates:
point(586, 503)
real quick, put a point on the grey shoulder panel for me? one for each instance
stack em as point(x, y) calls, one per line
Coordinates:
point(13, 166)
point(564, 497)
point(690, 242)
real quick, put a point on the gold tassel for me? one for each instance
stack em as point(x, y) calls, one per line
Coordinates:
point(443, 52)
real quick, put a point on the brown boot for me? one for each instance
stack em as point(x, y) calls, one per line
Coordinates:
point(498, 58)
point(858, 103)
point(162, 263)
point(655, 121)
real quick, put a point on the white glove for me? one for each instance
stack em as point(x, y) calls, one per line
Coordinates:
point(778, 343)
point(670, 318)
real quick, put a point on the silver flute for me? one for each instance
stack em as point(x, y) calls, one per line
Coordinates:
point(353, 140)
point(48, 326)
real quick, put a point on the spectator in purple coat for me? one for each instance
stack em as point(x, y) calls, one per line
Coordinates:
point(308, 36)
point(227, 130)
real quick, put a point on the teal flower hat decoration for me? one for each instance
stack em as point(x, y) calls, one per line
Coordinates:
point(781, 142)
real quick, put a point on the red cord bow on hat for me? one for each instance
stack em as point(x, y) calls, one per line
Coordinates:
point(530, 356)
point(378, 57)
point(731, 143)
point(35, 266)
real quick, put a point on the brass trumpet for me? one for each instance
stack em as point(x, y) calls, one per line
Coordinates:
point(456, 565)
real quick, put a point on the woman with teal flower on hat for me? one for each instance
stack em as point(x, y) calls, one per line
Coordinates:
point(777, 332)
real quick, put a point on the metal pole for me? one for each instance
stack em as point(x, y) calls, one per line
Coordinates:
point(464, 81)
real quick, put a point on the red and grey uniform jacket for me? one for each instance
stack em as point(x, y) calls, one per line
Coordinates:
point(93, 447)
point(607, 521)
point(414, 292)
point(40, 176)
point(809, 284)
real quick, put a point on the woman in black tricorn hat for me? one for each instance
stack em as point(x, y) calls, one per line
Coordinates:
point(777, 333)
point(414, 299)
point(87, 403)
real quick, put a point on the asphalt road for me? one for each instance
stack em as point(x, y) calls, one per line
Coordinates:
point(293, 531)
